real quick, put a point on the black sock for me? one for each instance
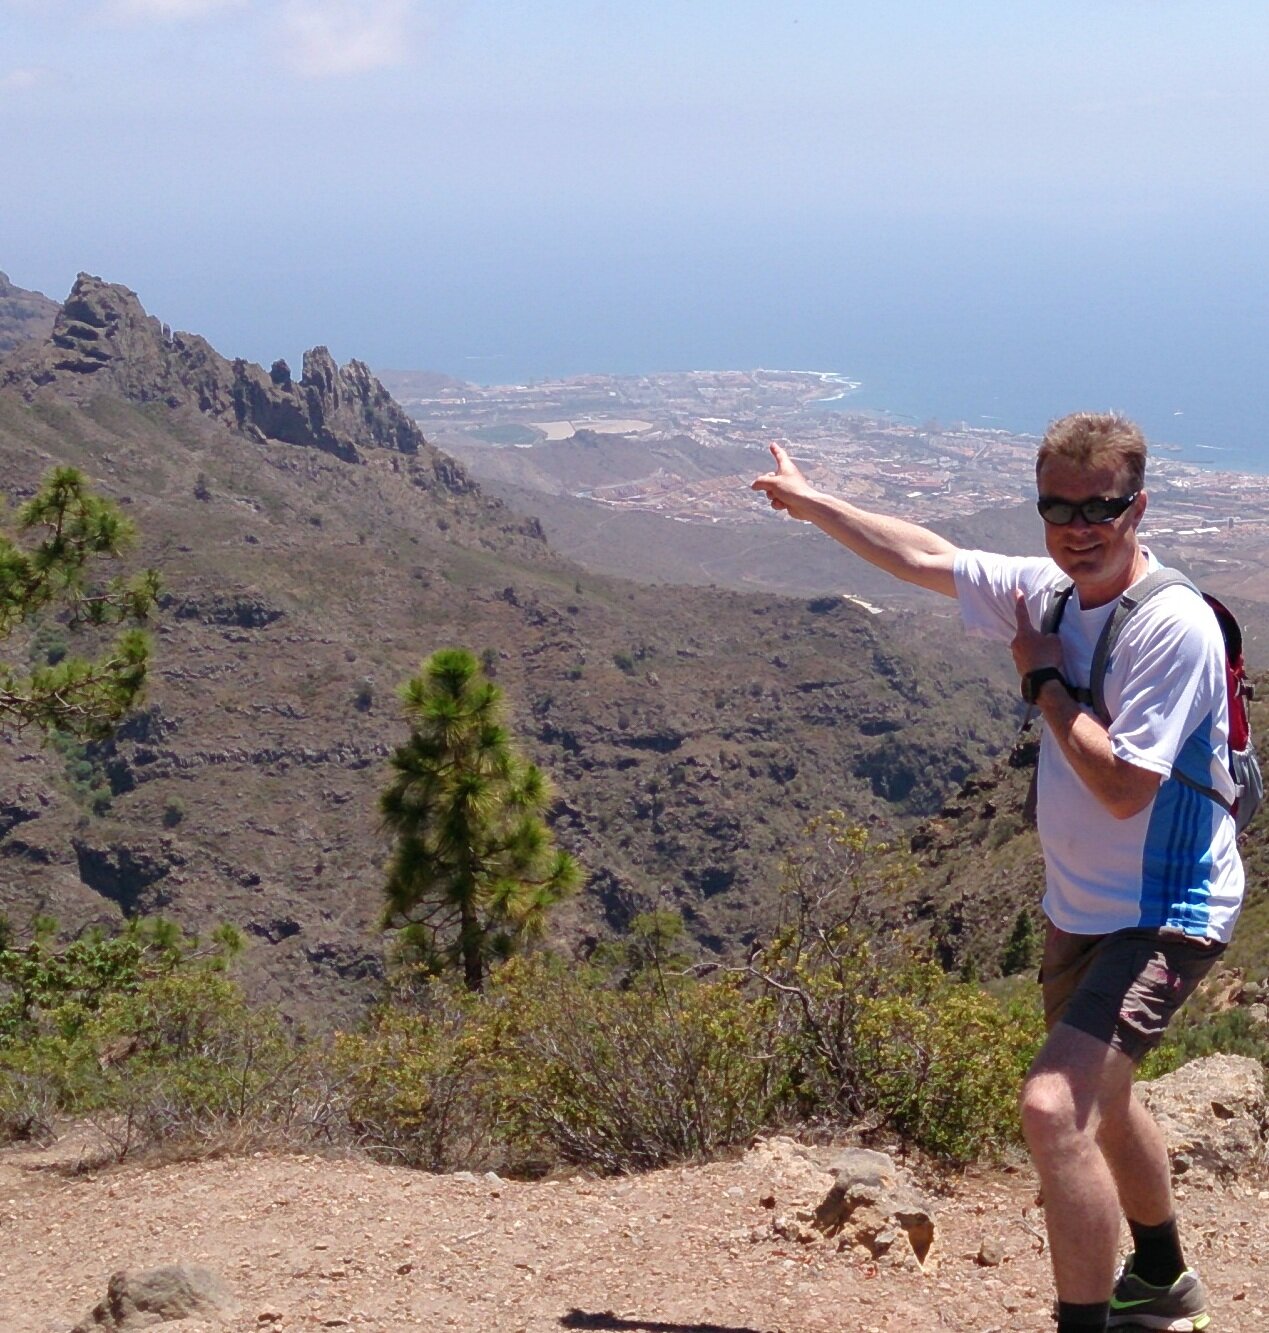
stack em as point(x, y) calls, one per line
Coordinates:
point(1080, 1318)
point(1157, 1257)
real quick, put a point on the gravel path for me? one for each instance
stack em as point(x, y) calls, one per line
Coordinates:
point(306, 1243)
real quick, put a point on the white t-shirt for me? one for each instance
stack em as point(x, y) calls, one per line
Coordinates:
point(1174, 864)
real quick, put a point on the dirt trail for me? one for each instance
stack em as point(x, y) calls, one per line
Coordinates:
point(308, 1243)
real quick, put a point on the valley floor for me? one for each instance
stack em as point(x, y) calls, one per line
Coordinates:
point(308, 1243)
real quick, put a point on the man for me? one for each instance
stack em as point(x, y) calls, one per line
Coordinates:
point(1143, 878)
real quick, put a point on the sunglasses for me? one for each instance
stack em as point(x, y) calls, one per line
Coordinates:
point(1100, 509)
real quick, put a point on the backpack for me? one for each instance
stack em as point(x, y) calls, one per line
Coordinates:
point(1244, 767)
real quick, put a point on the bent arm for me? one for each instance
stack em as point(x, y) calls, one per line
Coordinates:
point(1123, 788)
point(906, 550)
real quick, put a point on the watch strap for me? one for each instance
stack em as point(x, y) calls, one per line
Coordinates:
point(1034, 681)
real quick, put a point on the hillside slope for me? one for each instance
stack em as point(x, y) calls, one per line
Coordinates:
point(23, 315)
point(690, 732)
point(981, 865)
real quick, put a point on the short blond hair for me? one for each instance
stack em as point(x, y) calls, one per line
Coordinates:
point(1095, 440)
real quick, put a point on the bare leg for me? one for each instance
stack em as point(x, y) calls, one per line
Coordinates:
point(1135, 1151)
point(1075, 1085)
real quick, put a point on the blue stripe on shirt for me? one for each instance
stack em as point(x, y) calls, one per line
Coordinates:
point(1176, 860)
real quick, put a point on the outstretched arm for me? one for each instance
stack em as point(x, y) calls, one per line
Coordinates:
point(906, 550)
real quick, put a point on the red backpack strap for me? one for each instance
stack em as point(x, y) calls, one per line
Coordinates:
point(1240, 689)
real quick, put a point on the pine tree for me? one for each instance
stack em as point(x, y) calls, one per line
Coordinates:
point(1020, 951)
point(474, 871)
point(51, 583)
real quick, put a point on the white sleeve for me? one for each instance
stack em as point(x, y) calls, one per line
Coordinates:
point(987, 584)
point(1168, 683)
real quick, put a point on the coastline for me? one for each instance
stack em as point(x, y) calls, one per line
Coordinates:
point(1230, 458)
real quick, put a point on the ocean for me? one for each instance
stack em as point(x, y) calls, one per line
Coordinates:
point(1225, 433)
point(1008, 324)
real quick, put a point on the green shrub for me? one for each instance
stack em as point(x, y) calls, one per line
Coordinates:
point(1197, 1032)
point(670, 1069)
point(45, 990)
point(415, 1082)
point(1022, 949)
point(85, 772)
point(1003, 828)
point(49, 644)
point(40, 1079)
point(186, 1064)
point(879, 1034)
point(141, 1029)
point(941, 1062)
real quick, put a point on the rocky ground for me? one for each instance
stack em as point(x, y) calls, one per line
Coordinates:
point(305, 1242)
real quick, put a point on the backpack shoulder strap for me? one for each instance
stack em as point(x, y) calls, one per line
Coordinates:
point(1055, 600)
point(1131, 602)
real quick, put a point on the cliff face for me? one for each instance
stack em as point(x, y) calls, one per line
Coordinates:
point(23, 315)
point(102, 341)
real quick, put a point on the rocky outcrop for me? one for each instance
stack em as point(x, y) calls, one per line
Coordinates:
point(102, 341)
point(871, 1205)
point(244, 610)
point(874, 1205)
point(1214, 1116)
point(24, 803)
point(159, 1296)
point(23, 315)
point(127, 875)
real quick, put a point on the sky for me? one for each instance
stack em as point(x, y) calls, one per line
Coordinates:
point(501, 189)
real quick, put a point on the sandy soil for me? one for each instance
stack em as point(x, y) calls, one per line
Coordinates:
point(306, 1242)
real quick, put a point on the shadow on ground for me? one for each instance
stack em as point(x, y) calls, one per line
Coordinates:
point(605, 1319)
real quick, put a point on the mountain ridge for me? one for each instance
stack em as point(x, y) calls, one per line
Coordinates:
point(24, 315)
point(690, 733)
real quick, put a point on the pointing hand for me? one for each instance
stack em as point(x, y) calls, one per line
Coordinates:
point(785, 485)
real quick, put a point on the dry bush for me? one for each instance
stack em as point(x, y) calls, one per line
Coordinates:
point(415, 1083)
point(668, 1069)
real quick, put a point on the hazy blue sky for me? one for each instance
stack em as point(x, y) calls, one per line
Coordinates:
point(563, 185)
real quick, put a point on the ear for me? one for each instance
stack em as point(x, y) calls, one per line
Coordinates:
point(1139, 508)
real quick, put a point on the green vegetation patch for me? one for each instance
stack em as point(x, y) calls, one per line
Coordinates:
point(507, 432)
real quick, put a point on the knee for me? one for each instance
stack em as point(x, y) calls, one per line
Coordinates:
point(1049, 1121)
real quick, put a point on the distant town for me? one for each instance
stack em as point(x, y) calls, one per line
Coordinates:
point(1218, 522)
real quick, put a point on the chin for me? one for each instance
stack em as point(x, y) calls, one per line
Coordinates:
point(1080, 567)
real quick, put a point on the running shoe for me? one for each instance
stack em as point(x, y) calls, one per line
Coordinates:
point(1180, 1308)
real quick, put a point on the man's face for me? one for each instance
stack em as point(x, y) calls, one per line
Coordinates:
point(1100, 558)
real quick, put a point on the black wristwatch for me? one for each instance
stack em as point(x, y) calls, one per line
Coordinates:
point(1034, 681)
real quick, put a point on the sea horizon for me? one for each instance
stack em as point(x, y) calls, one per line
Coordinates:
point(1197, 441)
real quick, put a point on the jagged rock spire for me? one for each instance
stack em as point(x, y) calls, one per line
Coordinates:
point(103, 341)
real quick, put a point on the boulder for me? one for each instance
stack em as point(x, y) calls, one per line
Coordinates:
point(1213, 1115)
point(873, 1204)
point(160, 1295)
